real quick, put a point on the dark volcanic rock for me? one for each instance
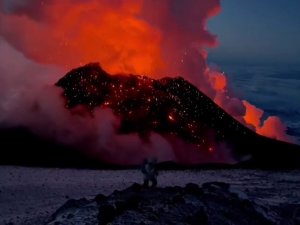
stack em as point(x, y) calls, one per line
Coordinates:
point(212, 204)
point(172, 107)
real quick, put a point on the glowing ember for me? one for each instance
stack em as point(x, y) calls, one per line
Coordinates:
point(128, 117)
point(144, 106)
point(171, 117)
point(133, 37)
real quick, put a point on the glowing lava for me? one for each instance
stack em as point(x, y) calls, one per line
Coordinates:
point(168, 106)
point(148, 37)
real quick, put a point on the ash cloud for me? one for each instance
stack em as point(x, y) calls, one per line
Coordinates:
point(41, 40)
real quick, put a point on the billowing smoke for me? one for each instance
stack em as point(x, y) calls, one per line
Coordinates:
point(41, 40)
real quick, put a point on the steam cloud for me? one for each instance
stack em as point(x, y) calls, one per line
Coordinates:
point(42, 40)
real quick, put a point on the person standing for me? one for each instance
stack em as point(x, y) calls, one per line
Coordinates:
point(150, 172)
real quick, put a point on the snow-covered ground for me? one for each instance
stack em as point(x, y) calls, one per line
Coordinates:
point(31, 195)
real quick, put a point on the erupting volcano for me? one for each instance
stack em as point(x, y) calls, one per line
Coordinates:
point(171, 107)
point(177, 108)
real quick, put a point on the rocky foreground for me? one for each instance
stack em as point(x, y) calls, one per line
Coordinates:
point(212, 204)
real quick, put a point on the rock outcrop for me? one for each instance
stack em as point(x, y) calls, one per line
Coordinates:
point(212, 204)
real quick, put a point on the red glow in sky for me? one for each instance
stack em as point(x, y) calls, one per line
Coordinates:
point(155, 38)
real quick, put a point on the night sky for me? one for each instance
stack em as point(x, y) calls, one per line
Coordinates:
point(257, 32)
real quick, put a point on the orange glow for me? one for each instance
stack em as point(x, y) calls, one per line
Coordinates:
point(218, 80)
point(130, 36)
point(272, 127)
point(171, 117)
point(89, 31)
point(253, 114)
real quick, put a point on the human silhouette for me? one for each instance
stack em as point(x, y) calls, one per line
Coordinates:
point(150, 173)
